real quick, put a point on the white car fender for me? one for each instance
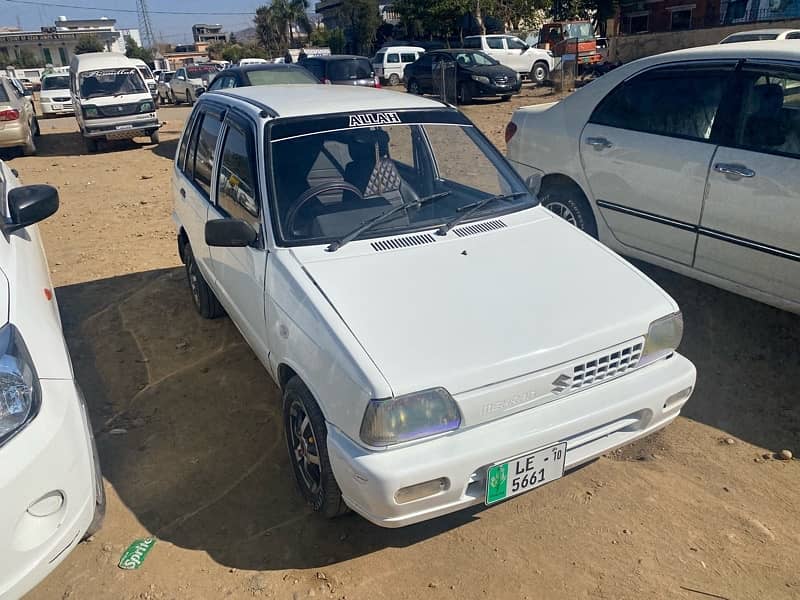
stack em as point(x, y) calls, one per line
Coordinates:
point(311, 338)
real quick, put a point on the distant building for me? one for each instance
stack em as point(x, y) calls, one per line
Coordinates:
point(208, 34)
point(329, 11)
point(56, 45)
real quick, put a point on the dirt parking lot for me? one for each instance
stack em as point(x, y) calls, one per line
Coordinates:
point(188, 428)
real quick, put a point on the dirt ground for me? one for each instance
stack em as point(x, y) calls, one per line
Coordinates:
point(188, 428)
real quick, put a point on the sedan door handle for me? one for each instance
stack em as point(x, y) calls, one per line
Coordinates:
point(599, 143)
point(734, 171)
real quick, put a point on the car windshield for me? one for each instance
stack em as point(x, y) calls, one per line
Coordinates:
point(111, 82)
point(198, 71)
point(348, 69)
point(55, 82)
point(473, 59)
point(145, 72)
point(581, 31)
point(280, 76)
point(332, 174)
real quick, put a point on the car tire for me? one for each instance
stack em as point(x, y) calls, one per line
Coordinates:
point(464, 93)
point(203, 297)
point(394, 79)
point(505, 98)
point(539, 72)
point(189, 99)
point(91, 145)
point(413, 87)
point(155, 137)
point(175, 100)
point(570, 205)
point(306, 436)
point(29, 148)
point(35, 126)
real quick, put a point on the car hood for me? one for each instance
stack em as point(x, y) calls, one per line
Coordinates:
point(490, 70)
point(465, 312)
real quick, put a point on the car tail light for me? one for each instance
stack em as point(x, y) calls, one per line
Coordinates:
point(511, 129)
point(326, 80)
point(9, 115)
point(377, 82)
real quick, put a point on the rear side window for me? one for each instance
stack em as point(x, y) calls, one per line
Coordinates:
point(393, 58)
point(495, 43)
point(672, 101)
point(342, 70)
point(407, 58)
point(204, 155)
point(236, 183)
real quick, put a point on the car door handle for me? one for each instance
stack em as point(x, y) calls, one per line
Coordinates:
point(599, 143)
point(734, 171)
point(183, 193)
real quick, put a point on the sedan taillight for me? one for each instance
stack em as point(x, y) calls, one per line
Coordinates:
point(9, 115)
point(511, 129)
point(377, 82)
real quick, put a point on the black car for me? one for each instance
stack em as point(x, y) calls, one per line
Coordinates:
point(477, 75)
point(341, 69)
point(261, 74)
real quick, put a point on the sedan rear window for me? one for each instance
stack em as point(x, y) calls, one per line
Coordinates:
point(342, 70)
point(280, 76)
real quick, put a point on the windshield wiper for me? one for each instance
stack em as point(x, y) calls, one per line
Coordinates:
point(474, 207)
point(369, 223)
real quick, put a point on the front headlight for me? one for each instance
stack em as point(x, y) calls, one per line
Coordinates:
point(409, 417)
point(19, 386)
point(45, 100)
point(663, 338)
point(481, 79)
point(90, 112)
point(146, 107)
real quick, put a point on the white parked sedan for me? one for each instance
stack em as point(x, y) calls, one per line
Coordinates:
point(51, 490)
point(688, 160)
point(383, 261)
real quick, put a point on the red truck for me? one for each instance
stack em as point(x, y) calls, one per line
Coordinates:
point(560, 37)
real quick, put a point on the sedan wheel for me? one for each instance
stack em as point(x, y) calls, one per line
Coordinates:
point(539, 73)
point(563, 211)
point(413, 87)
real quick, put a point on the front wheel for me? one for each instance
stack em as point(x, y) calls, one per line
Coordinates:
point(464, 93)
point(394, 79)
point(306, 441)
point(155, 137)
point(539, 73)
point(203, 297)
point(175, 100)
point(505, 98)
point(189, 99)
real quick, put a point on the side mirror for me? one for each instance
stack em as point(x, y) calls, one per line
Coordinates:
point(30, 204)
point(230, 233)
point(200, 92)
point(534, 183)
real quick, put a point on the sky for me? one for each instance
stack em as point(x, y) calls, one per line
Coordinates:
point(170, 28)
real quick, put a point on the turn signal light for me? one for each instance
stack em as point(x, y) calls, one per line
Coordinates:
point(9, 115)
point(511, 129)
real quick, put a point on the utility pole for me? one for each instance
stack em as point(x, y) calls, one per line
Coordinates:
point(145, 27)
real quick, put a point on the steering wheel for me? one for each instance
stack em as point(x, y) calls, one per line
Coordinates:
point(316, 191)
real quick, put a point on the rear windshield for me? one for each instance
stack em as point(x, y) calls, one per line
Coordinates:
point(280, 76)
point(55, 82)
point(111, 82)
point(355, 68)
point(200, 70)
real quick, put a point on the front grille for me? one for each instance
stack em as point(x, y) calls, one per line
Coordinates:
point(479, 228)
point(501, 79)
point(61, 99)
point(599, 368)
point(118, 110)
point(403, 242)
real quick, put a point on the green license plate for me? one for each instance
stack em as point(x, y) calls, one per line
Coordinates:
point(525, 473)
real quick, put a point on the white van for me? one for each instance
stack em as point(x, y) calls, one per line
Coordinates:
point(389, 62)
point(110, 99)
point(252, 61)
point(147, 75)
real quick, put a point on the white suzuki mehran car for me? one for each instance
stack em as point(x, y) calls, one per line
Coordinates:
point(439, 338)
point(51, 490)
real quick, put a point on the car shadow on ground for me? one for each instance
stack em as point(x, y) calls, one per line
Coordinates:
point(188, 422)
point(166, 149)
point(70, 144)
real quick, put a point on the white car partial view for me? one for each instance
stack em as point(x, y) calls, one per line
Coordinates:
point(761, 35)
point(191, 81)
point(54, 97)
point(375, 251)
point(530, 62)
point(687, 160)
point(51, 489)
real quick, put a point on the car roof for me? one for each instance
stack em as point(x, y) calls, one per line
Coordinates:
point(264, 67)
point(101, 60)
point(336, 57)
point(759, 31)
point(770, 49)
point(296, 100)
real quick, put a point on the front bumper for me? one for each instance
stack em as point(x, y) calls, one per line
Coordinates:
point(13, 133)
point(482, 89)
point(122, 127)
point(591, 422)
point(57, 108)
point(51, 458)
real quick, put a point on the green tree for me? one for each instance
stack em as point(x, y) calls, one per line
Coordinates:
point(88, 43)
point(268, 30)
point(134, 50)
point(361, 20)
point(337, 41)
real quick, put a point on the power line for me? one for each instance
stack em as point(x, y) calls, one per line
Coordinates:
point(125, 10)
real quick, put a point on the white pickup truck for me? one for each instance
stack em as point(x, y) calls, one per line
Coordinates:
point(530, 62)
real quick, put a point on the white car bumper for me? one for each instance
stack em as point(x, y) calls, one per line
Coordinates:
point(57, 108)
point(591, 422)
point(52, 457)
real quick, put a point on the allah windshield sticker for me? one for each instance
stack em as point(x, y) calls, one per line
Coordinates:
point(384, 118)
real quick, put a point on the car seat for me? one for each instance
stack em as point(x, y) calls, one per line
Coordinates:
point(371, 169)
point(765, 127)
